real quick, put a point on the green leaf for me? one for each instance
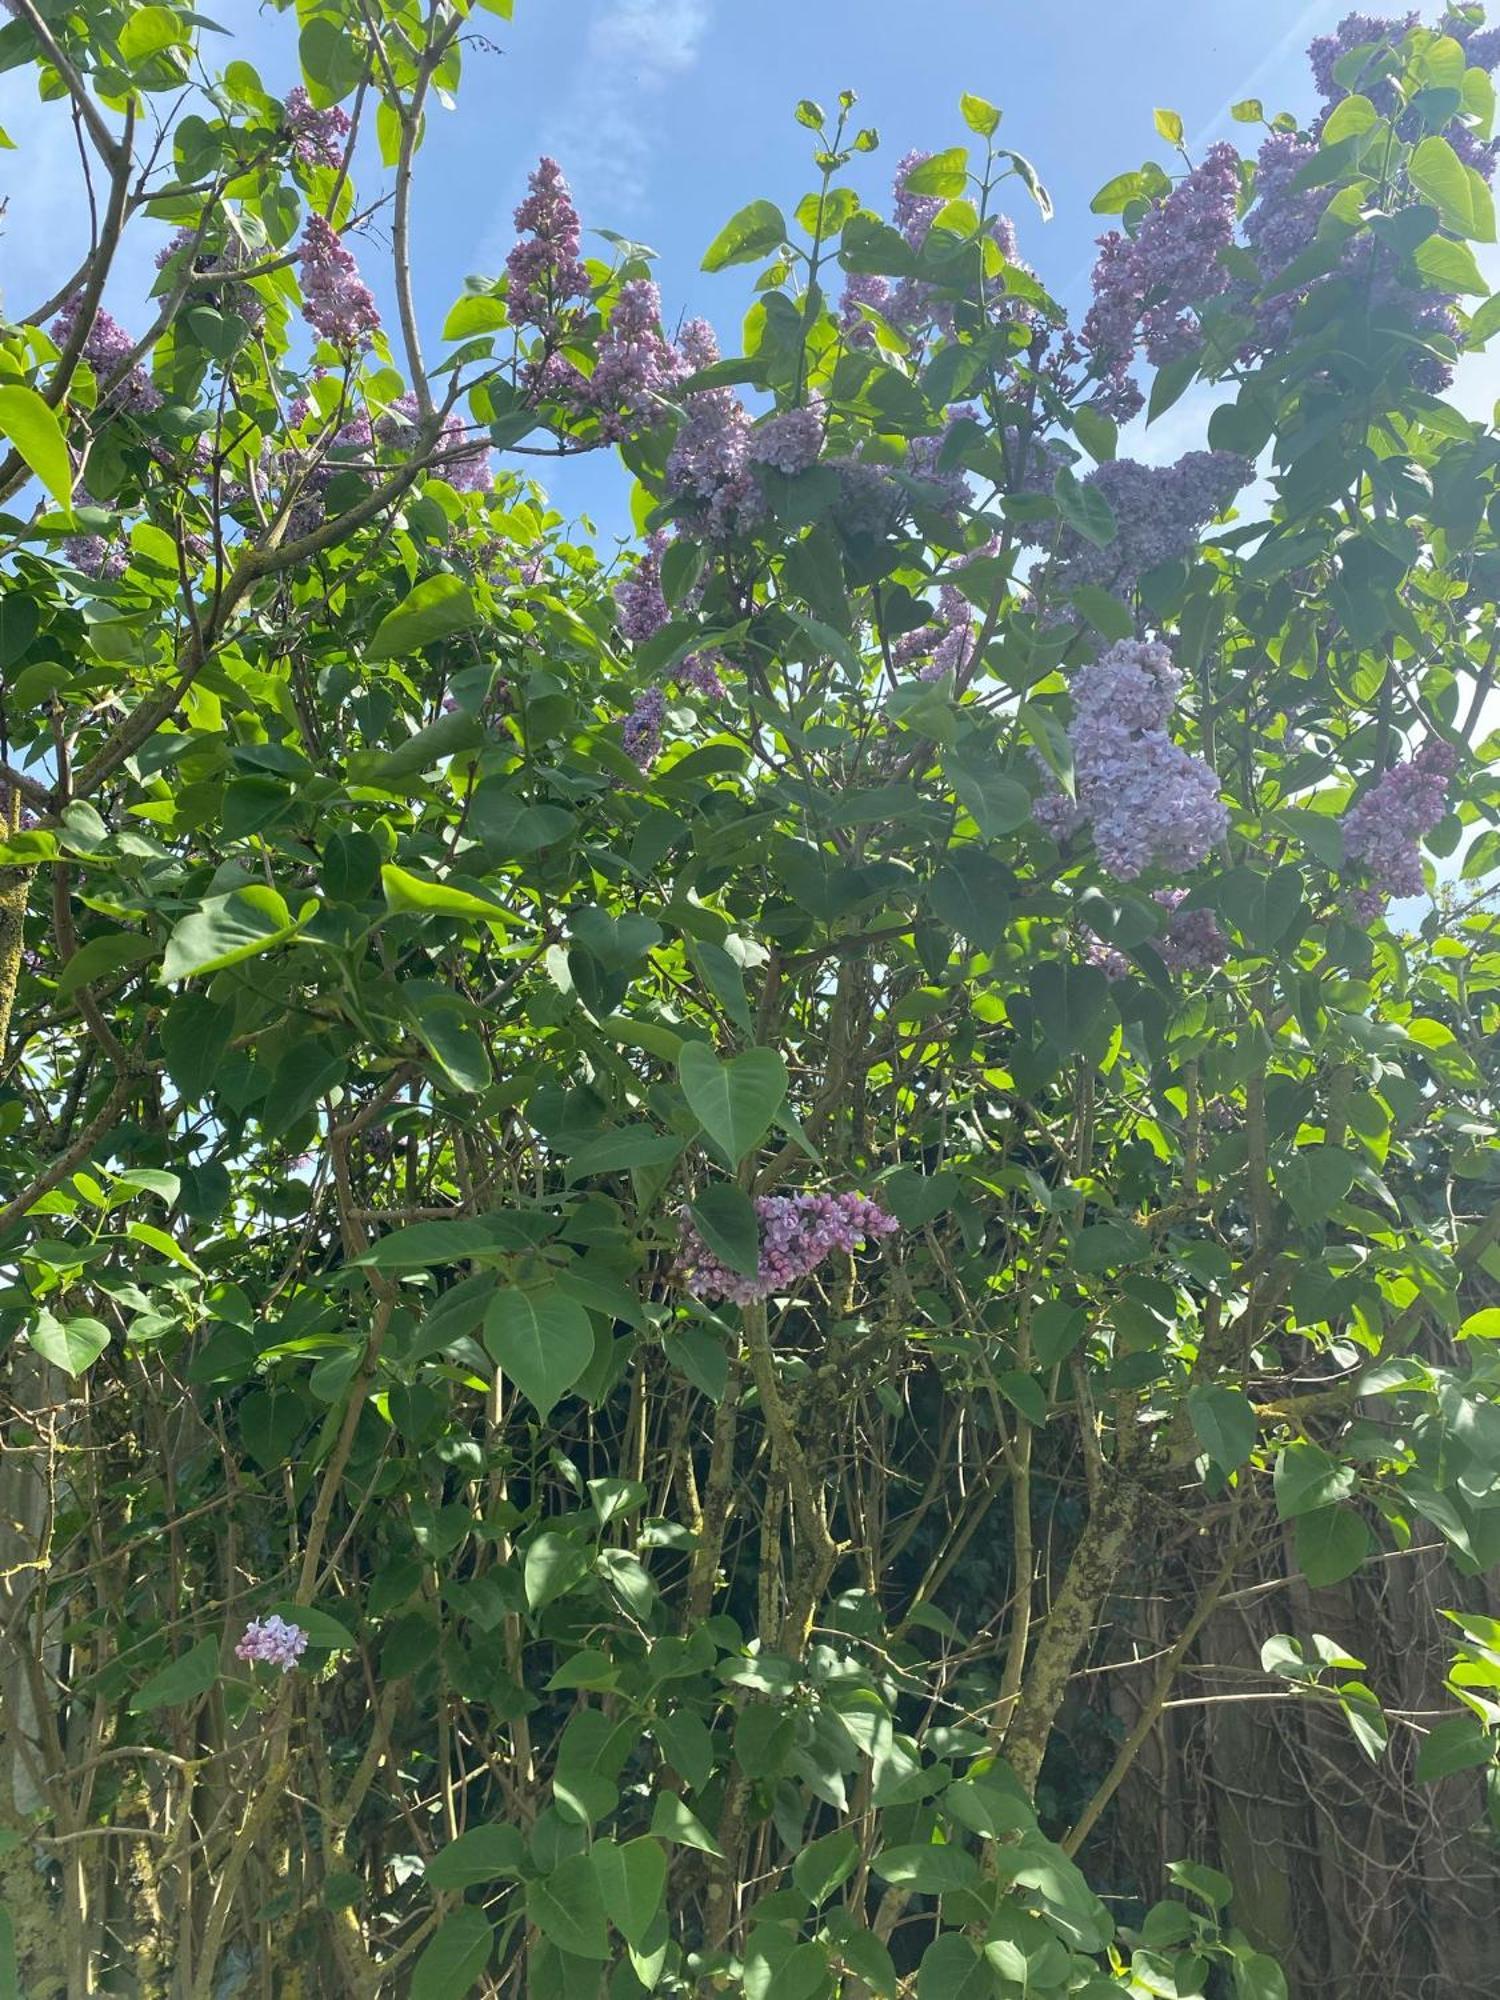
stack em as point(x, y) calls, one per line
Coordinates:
point(1169, 125)
point(567, 1907)
point(1349, 117)
point(672, 1821)
point(452, 1962)
point(70, 1344)
point(945, 174)
point(952, 1969)
point(33, 428)
point(1084, 508)
point(101, 956)
point(971, 894)
point(1315, 1180)
point(183, 1679)
point(436, 608)
point(1332, 1542)
point(149, 30)
point(736, 1101)
point(632, 1879)
point(979, 115)
point(1439, 176)
point(824, 1866)
point(1105, 612)
point(554, 1564)
point(929, 1869)
point(542, 1340)
point(1307, 1478)
point(1460, 1743)
point(1249, 111)
point(727, 1222)
point(331, 60)
point(1224, 1423)
point(758, 230)
point(449, 1025)
point(1257, 1977)
point(225, 930)
point(472, 314)
point(1450, 266)
point(483, 1854)
point(405, 891)
point(997, 802)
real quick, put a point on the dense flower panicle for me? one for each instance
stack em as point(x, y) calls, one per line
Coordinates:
point(1159, 510)
point(1353, 32)
point(797, 1233)
point(1192, 941)
point(545, 268)
point(1057, 815)
point(107, 349)
point(1146, 285)
point(228, 292)
point(700, 672)
point(950, 642)
point(317, 136)
point(274, 1641)
point(636, 364)
point(96, 557)
point(709, 463)
point(862, 288)
point(640, 607)
point(1110, 960)
point(789, 441)
point(953, 492)
point(1147, 799)
point(336, 302)
point(1384, 827)
point(641, 732)
point(914, 213)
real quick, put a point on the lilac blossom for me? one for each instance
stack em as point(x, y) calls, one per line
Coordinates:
point(336, 302)
point(1147, 799)
point(640, 735)
point(545, 269)
point(636, 364)
point(317, 136)
point(1146, 285)
point(708, 465)
point(1383, 829)
point(950, 642)
point(274, 1641)
point(869, 502)
point(96, 557)
point(797, 1233)
point(789, 441)
point(641, 609)
point(700, 672)
point(1353, 32)
point(1159, 511)
point(229, 292)
point(863, 288)
point(1110, 960)
point(107, 348)
point(1192, 941)
point(463, 461)
point(951, 483)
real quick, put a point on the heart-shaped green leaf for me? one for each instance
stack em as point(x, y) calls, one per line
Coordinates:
point(736, 1101)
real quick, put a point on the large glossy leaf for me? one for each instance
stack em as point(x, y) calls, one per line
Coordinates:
point(736, 1101)
point(542, 1340)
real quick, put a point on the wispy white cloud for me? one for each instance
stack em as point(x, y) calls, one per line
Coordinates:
point(606, 131)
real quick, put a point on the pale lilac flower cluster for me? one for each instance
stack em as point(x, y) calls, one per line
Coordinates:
point(708, 465)
point(317, 136)
point(107, 349)
point(641, 734)
point(636, 364)
point(1357, 31)
point(1146, 285)
point(640, 607)
point(862, 288)
point(1109, 959)
point(789, 441)
point(951, 490)
point(336, 302)
point(1147, 799)
point(700, 672)
point(104, 560)
point(274, 1642)
point(1192, 941)
point(797, 1233)
point(869, 502)
point(1159, 510)
point(545, 269)
point(950, 643)
point(463, 461)
point(1384, 827)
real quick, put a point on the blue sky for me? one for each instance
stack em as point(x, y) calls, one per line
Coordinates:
point(670, 114)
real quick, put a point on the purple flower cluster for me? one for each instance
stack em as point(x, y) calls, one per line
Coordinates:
point(545, 269)
point(96, 557)
point(228, 292)
point(1192, 941)
point(336, 302)
point(1159, 510)
point(709, 463)
point(1111, 961)
point(950, 643)
point(636, 364)
point(640, 607)
point(273, 1641)
point(317, 136)
point(951, 490)
point(797, 1232)
point(107, 349)
point(641, 732)
point(700, 672)
point(463, 461)
point(869, 502)
point(789, 441)
point(1383, 829)
point(1147, 799)
point(1146, 285)
point(1357, 31)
